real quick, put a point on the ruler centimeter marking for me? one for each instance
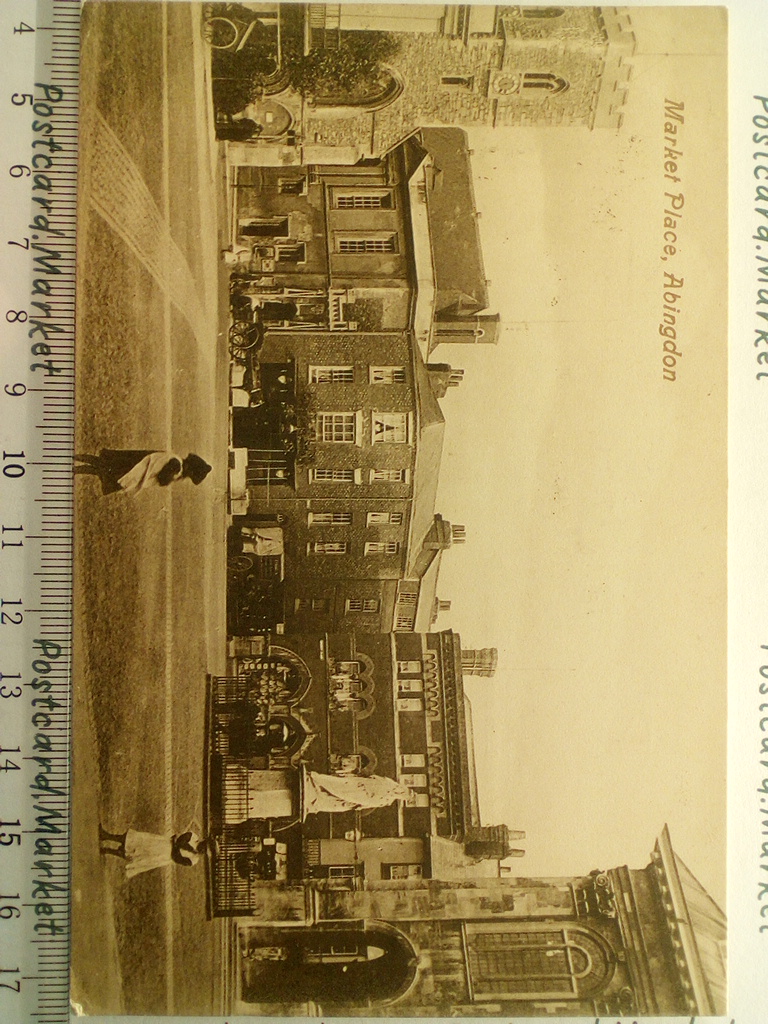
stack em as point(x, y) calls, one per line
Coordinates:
point(39, 41)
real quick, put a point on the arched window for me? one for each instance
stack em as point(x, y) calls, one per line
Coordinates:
point(545, 962)
point(338, 966)
point(378, 92)
point(544, 81)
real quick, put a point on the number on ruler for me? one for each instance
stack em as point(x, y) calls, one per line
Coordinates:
point(12, 692)
point(11, 543)
point(10, 619)
point(10, 766)
point(10, 839)
point(13, 469)
point(8, 911)
point(15, 390)
point(14, 986)
point(21, 28)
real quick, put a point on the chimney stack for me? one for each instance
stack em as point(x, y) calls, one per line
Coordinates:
point(480, 663)
point(458, 534)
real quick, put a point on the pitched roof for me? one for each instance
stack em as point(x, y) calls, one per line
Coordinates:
point(699, 926)
point(456, 250)
point(430, 430)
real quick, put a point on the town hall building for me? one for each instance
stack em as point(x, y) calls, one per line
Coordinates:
point(343, 901)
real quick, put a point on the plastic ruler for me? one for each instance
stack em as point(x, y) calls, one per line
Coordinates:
point(38, 190)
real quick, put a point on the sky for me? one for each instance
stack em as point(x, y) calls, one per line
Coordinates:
point(592, 490)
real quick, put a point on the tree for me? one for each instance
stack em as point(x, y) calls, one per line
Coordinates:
point(356, 64)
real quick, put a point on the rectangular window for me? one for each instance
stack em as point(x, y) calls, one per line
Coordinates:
point(331, 374)
point(290, 252)
point(458, 81)
point(315, 604)
point(362, 199)
point(417, 800)
point(382, 547)
point(387, 374)
point(385, 519)
point(341, 870)
point(391, 476)
point(408, 686)
point(369, 243)
point(389, 427)
point(401, 871)
point(337, 427)
point(367, 605)
point(413, 761)
point(410, 704)
point(264, 227)
point(329, 518)
point(292, 186)
point(347, 668)
point(334, 476)
point(414, 780)
point(409, 668)
point(327, 547)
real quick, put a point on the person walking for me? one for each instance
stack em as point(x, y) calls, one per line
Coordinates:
point(131, 471)
point(145, 851)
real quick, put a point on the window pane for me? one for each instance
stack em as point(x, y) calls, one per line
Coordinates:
point(410, 704)
point(336, 427)
point(409, 668)
point(337, 476)
point(417, 781)
point(354, 244)
point(387, 374)
point(394, 476)
point(405, 686)
point(390, 427)
point(331, 374)
point(368, 200)
point(379, 547)
point(412, 761)
point(327, 547)
point(330, 518)
point(363, 604)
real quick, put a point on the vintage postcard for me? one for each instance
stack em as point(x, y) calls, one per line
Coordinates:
point(400, 479)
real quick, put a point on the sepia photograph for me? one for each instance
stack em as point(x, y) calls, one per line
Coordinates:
point(399, 677)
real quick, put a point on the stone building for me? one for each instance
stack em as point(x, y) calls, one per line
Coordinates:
point(391, 244)
point(455, 65)
point(356, 275)
point(339, 475)
point(410, 907)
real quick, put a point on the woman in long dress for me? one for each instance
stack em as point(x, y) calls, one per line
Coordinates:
point(145, 851)
point(131, 471)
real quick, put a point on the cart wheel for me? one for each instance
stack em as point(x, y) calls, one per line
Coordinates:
point(238, 343)
point(254, 336)
point(240, 563)
point(220, 33)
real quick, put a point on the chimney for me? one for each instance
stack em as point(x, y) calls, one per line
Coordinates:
point(458, 534)
point(443, 376)
point(443, 606)
point(480, 663)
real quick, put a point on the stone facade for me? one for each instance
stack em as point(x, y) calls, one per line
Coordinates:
point(567, 68)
